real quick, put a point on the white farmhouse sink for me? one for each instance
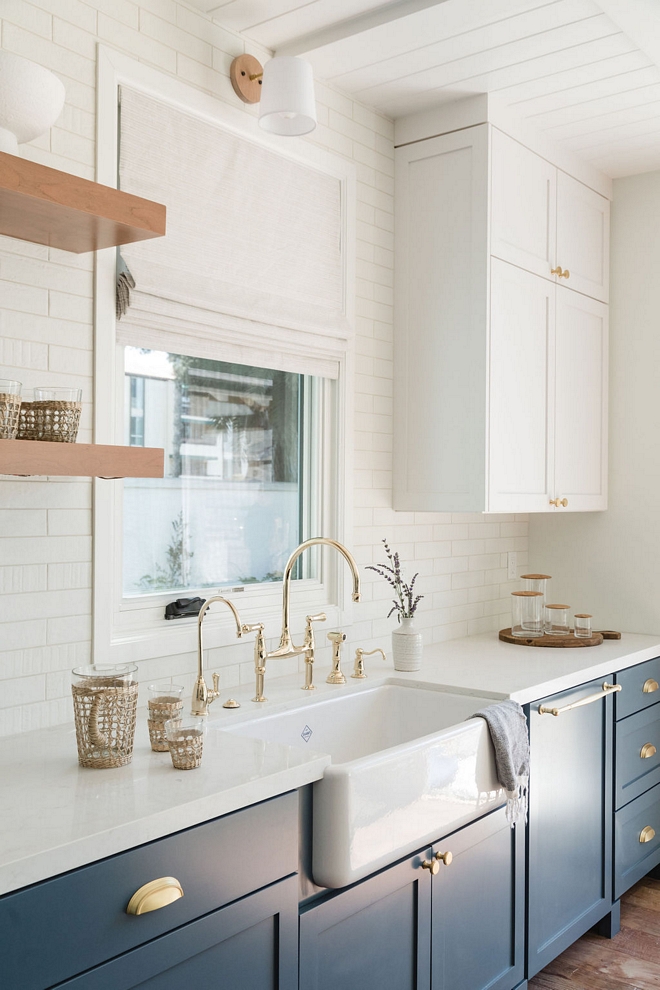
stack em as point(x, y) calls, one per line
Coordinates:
point(406, 768)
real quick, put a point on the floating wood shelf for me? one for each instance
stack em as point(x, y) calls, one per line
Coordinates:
point(46, 206)
point(78, 460)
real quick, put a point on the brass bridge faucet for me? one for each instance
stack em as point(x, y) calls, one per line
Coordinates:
point(287, 647)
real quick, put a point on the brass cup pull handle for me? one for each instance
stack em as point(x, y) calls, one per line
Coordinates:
point(647, 834)
point(155, 895)
point(445, 858)
point(432, 865)
point(650, 686)
point(647, 751)
point(559, 501)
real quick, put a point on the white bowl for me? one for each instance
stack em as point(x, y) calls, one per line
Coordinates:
point(31, 100)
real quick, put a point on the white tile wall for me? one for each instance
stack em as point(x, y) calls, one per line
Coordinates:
point(46, 337)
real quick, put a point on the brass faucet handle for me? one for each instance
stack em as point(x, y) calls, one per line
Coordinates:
point(215, 693)
point(320, 617)
point(358, 666)
point(252, 627)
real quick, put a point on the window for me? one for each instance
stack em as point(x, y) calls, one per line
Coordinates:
point(237, 496)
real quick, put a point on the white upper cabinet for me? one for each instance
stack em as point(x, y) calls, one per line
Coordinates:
point(583, 237)
point(523, 211)
point(500, 365)
point(547, 222)
point(581, 401)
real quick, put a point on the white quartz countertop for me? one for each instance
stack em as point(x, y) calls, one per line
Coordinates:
point(56, 816)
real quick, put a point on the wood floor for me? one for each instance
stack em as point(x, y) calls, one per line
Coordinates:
point(631, 961)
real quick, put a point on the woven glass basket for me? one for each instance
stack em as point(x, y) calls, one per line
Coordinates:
point(49, 419)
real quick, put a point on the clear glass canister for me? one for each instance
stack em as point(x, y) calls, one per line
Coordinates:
point(582, 627)
point(526, 614)
point(536, 582)
point(556, 620)
point(104, 706)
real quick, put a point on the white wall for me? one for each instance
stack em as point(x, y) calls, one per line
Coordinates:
point(607, 563)
point(46, 337)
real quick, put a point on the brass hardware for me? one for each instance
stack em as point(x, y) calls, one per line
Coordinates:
point(231, 703)
point(565, 273)
point(445, 858)
point(559, 501)
point(202, 697)
point(650, 686)
point(647, 751)
point(358, 666)
point(259, 658)
point(336, 675)
point(255, 75)
point(647, 834)
point(287, 647)
point(155, 895)
point(556, 271)
point(607, 689)
point(432, 865)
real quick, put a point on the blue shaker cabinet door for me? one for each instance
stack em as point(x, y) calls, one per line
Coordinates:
point(373, 935)
point(249, 945)
point(478, 912)
point(570, 821)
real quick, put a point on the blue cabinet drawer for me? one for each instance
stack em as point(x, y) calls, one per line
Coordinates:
point(640, 688)
point(637, 754)
point(633, 857)
point(56, 929)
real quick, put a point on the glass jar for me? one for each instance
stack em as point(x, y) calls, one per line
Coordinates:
point(104, 705)
point(536, 582)
point(582, 625)
point(556, 620)
point(526, 614)
point(10, 405)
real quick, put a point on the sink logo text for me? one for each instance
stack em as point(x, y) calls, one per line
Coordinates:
point(306, 733)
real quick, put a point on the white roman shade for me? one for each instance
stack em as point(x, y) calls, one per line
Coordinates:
point(253, 237)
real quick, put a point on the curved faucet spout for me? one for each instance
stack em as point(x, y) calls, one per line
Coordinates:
point(286, 647)
point(202, 697)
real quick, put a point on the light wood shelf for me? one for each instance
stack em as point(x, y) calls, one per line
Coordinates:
point(78, 460)
point(46, 206)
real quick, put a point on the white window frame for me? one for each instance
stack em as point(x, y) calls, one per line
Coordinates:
point(130, 630)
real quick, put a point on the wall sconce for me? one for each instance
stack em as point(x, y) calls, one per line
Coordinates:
point(284, 88)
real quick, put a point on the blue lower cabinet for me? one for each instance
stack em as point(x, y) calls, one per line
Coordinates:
point(478, 912)
point(404, 929)
point(375, 935)
point(249, 945)
point(570, 821)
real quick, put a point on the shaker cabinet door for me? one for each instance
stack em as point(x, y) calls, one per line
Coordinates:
point(581, 366)
point(570, 821)
point(523, 211)
point(521, 390)
point(375, 934)
point(583, 237)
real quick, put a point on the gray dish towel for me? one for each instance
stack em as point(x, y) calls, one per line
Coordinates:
point(508, 732)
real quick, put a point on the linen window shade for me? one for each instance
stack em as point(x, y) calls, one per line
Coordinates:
point(252, 235)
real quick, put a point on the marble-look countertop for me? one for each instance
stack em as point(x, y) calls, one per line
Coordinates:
point(56, 816)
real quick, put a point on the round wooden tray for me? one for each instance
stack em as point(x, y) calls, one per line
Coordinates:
point(570, 642)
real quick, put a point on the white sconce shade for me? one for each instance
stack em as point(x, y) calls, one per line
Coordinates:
point(287, 103)
point(31, 100)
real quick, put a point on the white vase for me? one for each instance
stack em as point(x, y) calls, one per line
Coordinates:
point(407, 646)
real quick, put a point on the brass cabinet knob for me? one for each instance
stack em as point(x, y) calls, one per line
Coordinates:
point(432, 865)
point(647, 834)
point(155, 895)
point(650, 686)
point(556, 271)
point(565, 273)
point(445, 858)
point(559, 501)
point(647, 751)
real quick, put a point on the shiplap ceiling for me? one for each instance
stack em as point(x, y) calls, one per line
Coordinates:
point(586, 72)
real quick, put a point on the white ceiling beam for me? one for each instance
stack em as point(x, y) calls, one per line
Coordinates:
point(355, 25)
